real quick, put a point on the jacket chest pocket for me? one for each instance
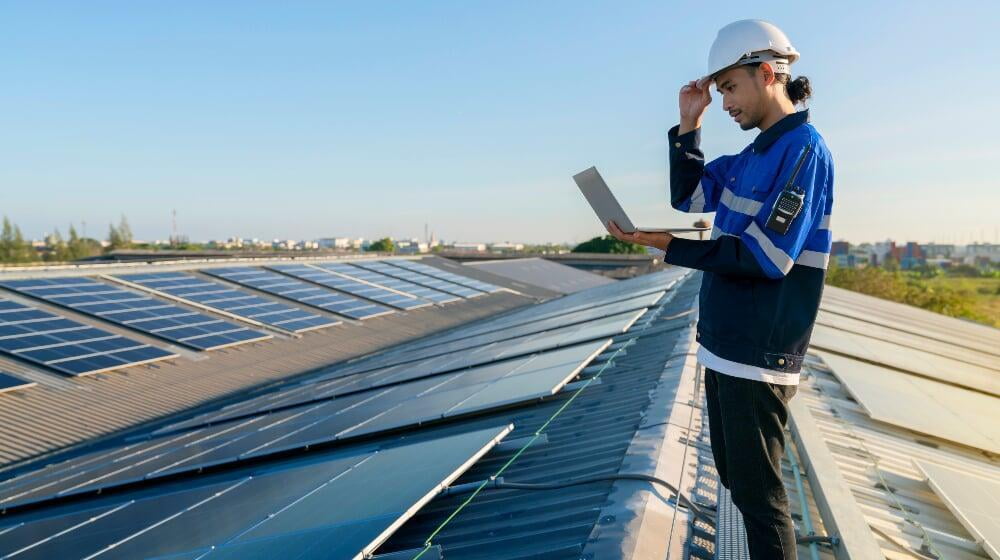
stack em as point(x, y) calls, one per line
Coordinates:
point(754, 182)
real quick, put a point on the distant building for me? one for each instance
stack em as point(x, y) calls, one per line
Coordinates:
point(506, 246)
point(410, 246)
point(982, 253)
point(339, 243)
point(909, 256)
point(840, 248)
point(461, 246)
point(937, 250)
point(880, 250)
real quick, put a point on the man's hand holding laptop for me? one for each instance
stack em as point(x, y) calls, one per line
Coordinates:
point(656, 239)
point(614, 218)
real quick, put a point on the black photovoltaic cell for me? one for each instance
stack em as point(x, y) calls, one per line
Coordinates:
point(604, 295)
point(542, 335)
point(12, 383)
point(68, 346)
point(137, 311)
point(456, 343)
point(418, 278)
point(325, 505)
point(300, 291)
point(238, 302)
point(474, 351)
point(351, 286)
point(389, 282)
point(444, 275)
point(360, 406)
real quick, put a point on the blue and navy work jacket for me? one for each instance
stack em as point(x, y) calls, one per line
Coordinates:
point(761, 289)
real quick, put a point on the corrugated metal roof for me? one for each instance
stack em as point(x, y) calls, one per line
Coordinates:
point(875, 460)
point(592, 436)
point(61, 412)
point(642, 414)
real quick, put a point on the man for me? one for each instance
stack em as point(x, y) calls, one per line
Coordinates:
point(764, 265)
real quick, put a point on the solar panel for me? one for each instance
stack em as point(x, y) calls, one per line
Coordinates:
point(235, 301)
point(312, 391)
point(921, 405)
point(10, 382)
point(445, 275)
point(653, 283)
point(956, 332)
point(463, 353)
point(323, 505)
point(371, 408)
point(543, 273)
point(389, 282)
point(974, 500)
point(418, 278)
point(508, 331)
point(351, 286)
point(302, 292)
point(909, 340)
point(67, 346)
point(910, 359)
point(136, 311)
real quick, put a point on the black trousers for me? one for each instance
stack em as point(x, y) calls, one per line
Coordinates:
point(747, 421)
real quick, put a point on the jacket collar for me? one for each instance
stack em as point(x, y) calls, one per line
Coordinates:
point(769, 136)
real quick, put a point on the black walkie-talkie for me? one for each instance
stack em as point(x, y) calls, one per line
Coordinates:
point(790, 201)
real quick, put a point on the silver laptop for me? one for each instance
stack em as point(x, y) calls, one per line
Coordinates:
point(606, 206)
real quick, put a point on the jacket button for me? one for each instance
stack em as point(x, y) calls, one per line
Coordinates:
point(781, 361)
point(677, 144)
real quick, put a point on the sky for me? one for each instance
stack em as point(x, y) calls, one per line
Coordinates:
point(367, 119)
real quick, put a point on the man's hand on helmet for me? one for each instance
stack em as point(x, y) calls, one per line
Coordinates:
point(693, 102)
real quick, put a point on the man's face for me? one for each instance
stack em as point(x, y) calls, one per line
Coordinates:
point(742, 96)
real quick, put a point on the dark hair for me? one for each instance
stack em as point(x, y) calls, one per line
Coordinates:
point(798, 90)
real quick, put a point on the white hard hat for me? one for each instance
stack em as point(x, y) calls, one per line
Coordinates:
point(749, 41)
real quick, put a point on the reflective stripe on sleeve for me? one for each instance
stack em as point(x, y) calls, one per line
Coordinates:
point(779, 258)
point(814, 259)
point(697, 199)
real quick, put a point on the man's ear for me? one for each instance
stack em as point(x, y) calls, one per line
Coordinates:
point(767, 73)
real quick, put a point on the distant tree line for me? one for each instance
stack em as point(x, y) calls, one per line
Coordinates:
point(384, 245)
point(15, 249)
point(609, 244)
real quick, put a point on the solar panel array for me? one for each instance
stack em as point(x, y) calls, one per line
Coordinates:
point(256, 479)
point(231, 300)
point(923, 405)
point(547, 326)
point(417, 290)
point(351, 286)
point(136, 311)
point(68, 346)
point(352, 411)
point(445, 275)
point(300, 291)
point(325, 507)
point(348, 403)
point(420, 279)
